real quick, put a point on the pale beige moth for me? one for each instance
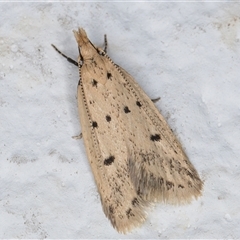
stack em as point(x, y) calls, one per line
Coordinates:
point(134, 156)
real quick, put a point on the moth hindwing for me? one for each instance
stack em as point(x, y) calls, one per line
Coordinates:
point(135, 157)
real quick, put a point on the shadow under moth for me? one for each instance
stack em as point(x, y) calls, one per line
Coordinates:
point(134, 156)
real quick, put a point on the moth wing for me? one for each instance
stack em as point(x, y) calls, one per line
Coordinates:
point(133, 153)
point(108, 155)
point(159, 167)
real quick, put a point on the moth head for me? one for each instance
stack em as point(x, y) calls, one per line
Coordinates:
point(86, 48)
point(81, 37)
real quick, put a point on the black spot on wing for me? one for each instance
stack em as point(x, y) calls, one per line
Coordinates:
point(190, 184)
point(94, 124)
point(108, 118)
point(155, 137)
point(161, 181)
point(169, 185)
point(111, 209)
point(139, 193)
point(138, 104)
point(109, 161)
point(135, 202)
point(129, 213)
point(94, 83)
point(126, 109)
point(93, 61)
point(109, 75)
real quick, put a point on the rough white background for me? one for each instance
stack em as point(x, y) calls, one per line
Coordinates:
point(186, 53)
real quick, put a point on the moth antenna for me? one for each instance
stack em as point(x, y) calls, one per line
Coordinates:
point(105, 43)
point(68, 58)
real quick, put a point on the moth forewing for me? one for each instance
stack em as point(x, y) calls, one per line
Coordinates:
point(106, 153)
point(135, 157)
point(162, 172)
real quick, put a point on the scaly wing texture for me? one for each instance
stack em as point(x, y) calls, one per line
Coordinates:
point(107, 152)
point(134, 156)
point(159, 167)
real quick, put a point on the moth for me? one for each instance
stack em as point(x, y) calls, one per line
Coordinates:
point(135, 158)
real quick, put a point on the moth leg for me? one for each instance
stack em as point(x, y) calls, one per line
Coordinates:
point(68, 58)
point(77, 137)
point(105, 43)
point(155, 99)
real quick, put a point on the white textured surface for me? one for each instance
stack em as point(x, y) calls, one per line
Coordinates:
point(186, 53)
